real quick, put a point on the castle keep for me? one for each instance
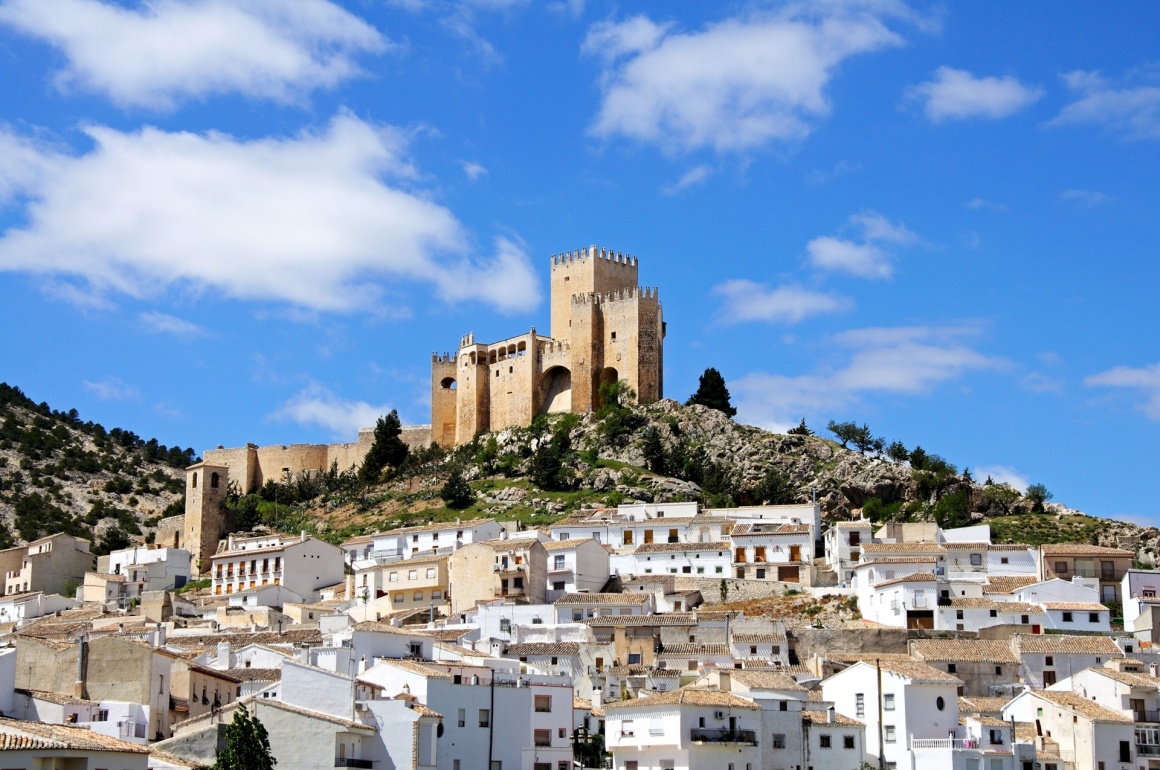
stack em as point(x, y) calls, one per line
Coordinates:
point(605, 328)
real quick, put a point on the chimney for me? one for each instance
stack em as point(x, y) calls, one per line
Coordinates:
point(222, 663)
point(82, 653)
point(830, 715)
point(230, 543)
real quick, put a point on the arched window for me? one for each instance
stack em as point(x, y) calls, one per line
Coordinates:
point(213, 480)
point(448, 383)
point(195, 479)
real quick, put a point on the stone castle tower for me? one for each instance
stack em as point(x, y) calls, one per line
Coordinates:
point(205, 512)
point(605, 328)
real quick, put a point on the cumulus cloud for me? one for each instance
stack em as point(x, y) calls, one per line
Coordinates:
point(733, 85)
point(743, 301)
point(691, 178)
point(1129, 107)
point(911, 360)
point(866, 255)
point(163, 323)
point(473, 170)
point(322, 221)
point(112, 389)
point(1085, 199)
point(165, 51)
point(958, 95)
point(1144, 381)
point(1003, 474)
point(316, 406)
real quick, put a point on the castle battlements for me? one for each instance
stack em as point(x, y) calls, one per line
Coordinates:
point(445, 358)
point(546, 345)
point(592, 252)
point(619, 295)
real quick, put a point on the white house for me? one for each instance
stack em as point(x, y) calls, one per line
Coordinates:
point(423, 540)
point(677, 558)
point(151, 569)
point(1086, 735)
point(1077, 617)
point(302, 564)
point(16, 608)
point(1139, 589)
point(685, 729)
point(843, 543)
point(575, 565)
point(573, 608)
point(1047, 658)
point(903, 602)
point(793, 513)
point(773, 550)
point(916, 709)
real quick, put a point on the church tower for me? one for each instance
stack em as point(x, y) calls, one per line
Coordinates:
point(205, 512)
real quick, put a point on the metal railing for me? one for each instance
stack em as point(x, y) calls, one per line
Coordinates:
point(348, 762)
point(722, 735)
point(1148, 715)
point(1148, 749)
point(954, 744)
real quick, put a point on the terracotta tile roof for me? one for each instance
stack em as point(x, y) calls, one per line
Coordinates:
point(16, 742)
point(917, 577)
point(723, 547)
point(255, 674)
point(956, 650)
point(766, 638)
point(897, 560)
point(425, 711)
point(695, 649)
point(760, 528)
point(933, 548)
point(543, 648)
point(1007, 584)
point(667, 619)
point(1143, 681)
point(1083, 549)
point(981, 705)
point(66, 737)
point(1009, 546)
point(1081, 705)
point(629, 598)
point(375, 626)
point(304, 637)
point(416, 667)
point(560, 545)
point(1077, 606)
point(1019, 608)
point(917, 671)
point(822, 717)
point(435, 527)
point(1061, 644)
point(972, 603)
point(860, 524)
point(55, 697)
point(308, 713)
point(765, 680)
point(686, 696)
point(867, 657)
point(966, 546)
point(649, 579)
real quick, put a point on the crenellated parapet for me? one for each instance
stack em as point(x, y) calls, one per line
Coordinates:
point(444, 358)
point(592, 252)
point(618, 295)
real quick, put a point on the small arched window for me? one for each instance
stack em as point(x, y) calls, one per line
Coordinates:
point(939, 703)
point(213, 480)
point(195, 479)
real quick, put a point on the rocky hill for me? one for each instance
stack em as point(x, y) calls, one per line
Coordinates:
point(60, 474)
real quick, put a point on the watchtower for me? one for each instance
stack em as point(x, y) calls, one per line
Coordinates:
point(583, 272)
point(205, 512)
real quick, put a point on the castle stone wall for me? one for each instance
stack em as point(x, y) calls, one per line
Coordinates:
point(586, 271)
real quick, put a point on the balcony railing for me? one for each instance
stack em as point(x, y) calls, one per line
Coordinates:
point(1147, 715)
point(955, 744)
point(348, 762)
point(1148, 749)
point(722, 735)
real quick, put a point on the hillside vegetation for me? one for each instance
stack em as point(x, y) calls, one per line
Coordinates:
point(60, 474)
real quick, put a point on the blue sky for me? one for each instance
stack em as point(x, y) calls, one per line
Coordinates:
point(228, 220)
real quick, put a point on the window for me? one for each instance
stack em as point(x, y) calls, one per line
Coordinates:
point(976, 559)
point(558, 561)
point(631, 764)
point(485, 718)
point(462, 717)
point(939, 703)
point(889, 730)
point(1093, 617)
point(888, 702)
point(634, 658)
point(1049, 660)
point(859, 705)
point(430, 572)
point(779, 740)
point(557, 585)
point(436, 595)
point(1067, 617)
point(1125, 751)
point(412, 574)
point(824, 741)
point(418, 596)
point(394, 577)
point(958, 614)
point(998, 670)
point(994, 613)
point(628, 728)
point(562, 732)
point(996, 737)
point(1061, 568)
point(952, 668)
point(1024, 619)
point(847, 741)
point(543, 703)
point(400, 597)
point(542, 737)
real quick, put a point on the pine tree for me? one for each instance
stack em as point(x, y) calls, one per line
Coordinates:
point(387, 451)
point(247, 745)
point(457, 493)
point(711, 392)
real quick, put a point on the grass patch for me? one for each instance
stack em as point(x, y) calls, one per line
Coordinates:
point(1039, 528)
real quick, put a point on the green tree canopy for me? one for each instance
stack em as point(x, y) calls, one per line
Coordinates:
point(801, 430)
point(247, 745)
point(457, 493)
point(711, 392)
point(1038, 495)
point(388, 450)
point(850, 432)
point(897, 452)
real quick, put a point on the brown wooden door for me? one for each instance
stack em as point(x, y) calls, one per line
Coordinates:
point(795, 553)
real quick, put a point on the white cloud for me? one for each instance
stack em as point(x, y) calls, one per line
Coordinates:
point(864, 257)
point(958, 95)
point(1085, 199)
point(1145, 380)
point(163, 323)
point(1002, 474)
point(473, 170)
point(1037, 382)
point(690, 178)
point(112, 389)
point(982, 204)
point(322, 221)
point(879, 361)
point(736, 84)
point(165, 51)
point(1130, 108)
point(315, 406)
point(748, 301)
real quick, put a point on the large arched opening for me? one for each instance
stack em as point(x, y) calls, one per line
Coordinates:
point(448, 383)
point(556, 390)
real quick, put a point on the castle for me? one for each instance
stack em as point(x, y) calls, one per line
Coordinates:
point(605, 328)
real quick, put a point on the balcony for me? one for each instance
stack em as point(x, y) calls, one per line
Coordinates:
point(955, 744)
point(1146, 716)
point(346, 762)
point(1148, 749)
point(722, 735)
